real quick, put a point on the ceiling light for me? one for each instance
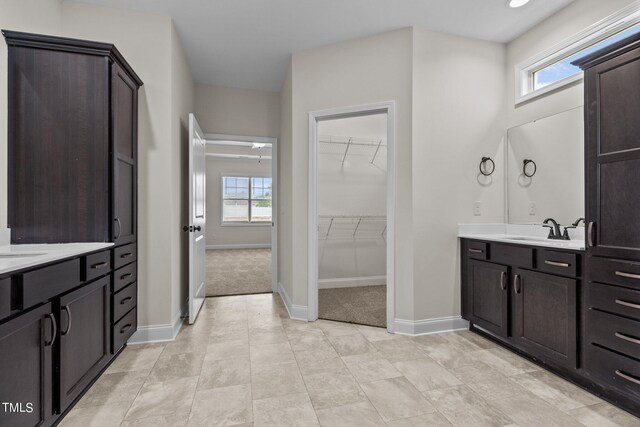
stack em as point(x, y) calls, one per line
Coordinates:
point(516, 3)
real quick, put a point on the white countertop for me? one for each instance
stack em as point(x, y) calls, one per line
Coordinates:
point(18, 257)
point(529, 235)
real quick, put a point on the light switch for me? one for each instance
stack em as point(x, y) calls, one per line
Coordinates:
point(532, 208)
point(477, 208)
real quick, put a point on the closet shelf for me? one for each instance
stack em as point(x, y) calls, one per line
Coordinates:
point(349, 141)
point(352, 226)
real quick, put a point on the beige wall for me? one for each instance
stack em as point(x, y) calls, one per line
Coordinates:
point(150, 45)
point(458, 117)
point(361, 71)
point(218, 234)
point(567, 22)
point(233, 111)
point(285, 185)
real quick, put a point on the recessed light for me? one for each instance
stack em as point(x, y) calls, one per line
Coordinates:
point(516, 3)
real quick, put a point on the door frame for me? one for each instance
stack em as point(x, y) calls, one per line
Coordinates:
point(274, 197)
point(388, 108)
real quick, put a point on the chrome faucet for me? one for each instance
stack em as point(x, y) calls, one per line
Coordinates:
point(554, 232)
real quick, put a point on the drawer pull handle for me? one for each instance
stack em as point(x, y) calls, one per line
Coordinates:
point(627, 377)
point(126, 276)
point(125, 300)
point(99, 265)
point(125, 328)
point(503, 281)
point(628, 304)
point(54, 330)
point(628, 275)
point(127, 255)
point(66, 310)
point(557, 264)
point(627, 338)
point(476, 251)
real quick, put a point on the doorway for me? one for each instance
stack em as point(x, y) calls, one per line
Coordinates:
point(241, 226)
point(351, 211)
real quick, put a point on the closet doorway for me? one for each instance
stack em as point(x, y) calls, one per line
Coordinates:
point(351, 215)
point(241, 227)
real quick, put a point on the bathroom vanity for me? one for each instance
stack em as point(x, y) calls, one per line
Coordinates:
point(574, 308)
point(68, 280)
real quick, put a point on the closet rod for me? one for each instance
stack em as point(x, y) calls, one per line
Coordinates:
point(353, 141)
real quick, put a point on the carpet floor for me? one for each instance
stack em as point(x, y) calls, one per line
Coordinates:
point(238, 271)
point(365, 305)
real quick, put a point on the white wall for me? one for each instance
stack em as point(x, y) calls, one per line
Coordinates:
point(361, 71)
point(150, 45)
point(567, 22)
point(231, 235)
point(234, 111)
point(458, 117)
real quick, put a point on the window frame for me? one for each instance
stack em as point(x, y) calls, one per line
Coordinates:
point(607, 27)
point(249, 199)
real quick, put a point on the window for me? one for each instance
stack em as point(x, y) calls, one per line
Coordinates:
point(246, 199)
point(552, 70)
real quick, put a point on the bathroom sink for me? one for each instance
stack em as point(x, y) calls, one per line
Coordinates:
point(527, 238)
point(15, 255)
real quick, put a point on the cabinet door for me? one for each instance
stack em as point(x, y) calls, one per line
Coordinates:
point(545, 316)
point(124, 110)
point(612, 92)
point(84, 338)
point(26, 369)
point(489, 296)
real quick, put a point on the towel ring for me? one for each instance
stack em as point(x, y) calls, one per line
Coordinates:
point(482, 163)
point(525, 162)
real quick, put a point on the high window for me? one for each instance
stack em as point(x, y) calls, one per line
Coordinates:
point(552, 70)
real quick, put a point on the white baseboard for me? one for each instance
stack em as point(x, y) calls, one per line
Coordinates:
point(352, 282)
point(296, 312)
point(430, 326)
point(157, 333)
point(242, 246)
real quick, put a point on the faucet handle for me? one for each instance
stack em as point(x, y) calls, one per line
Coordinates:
point(551, 235)
point(565, 235)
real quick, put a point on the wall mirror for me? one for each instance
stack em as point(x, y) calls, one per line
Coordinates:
point(545, 169)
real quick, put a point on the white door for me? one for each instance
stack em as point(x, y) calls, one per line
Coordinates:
point(197, 217)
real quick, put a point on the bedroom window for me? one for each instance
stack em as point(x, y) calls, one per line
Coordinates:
point(552, 69)
point(246, 200)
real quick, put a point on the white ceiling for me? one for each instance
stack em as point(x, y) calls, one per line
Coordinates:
point(247, 43)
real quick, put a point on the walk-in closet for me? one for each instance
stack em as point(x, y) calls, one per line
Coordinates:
point(352, 222)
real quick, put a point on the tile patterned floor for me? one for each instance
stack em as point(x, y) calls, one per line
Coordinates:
point(237, 271)
point(245, 363)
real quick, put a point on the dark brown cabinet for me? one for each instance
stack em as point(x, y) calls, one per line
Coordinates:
point(611, 342)
point(527, 297)
point(489, 296)
point(545, 316)
point(26, 368)
point(84, 338)
point(72, 104)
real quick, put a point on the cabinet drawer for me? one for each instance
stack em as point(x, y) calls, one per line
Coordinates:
point(44, 283)
point(123, 329)
point(477, 250)
point(6, 296)
point(614, 271)
point(562, 263)
point(612, 369)
point(96, 265)
point(516, 256)
point(622, 301)
point(124, 276)
point(123, 301)
point(614, 332)
point(124, 255)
